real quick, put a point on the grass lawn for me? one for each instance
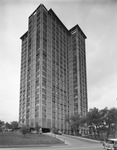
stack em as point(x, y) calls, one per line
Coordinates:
point(30, 139)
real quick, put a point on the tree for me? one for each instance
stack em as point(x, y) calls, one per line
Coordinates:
point(54, 130)
point(8, 125)
point(102, 121)
point(93, 120)
point(25, 130)
point(103, 127)
point(14, 125)
point(2, 124)
point(38, 127)
point(111, 120)
point(75, 122)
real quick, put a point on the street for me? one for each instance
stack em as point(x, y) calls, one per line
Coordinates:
point(71, 143)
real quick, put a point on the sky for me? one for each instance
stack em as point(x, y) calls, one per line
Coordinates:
point(97, 19)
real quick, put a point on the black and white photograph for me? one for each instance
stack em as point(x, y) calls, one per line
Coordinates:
point(58, 78)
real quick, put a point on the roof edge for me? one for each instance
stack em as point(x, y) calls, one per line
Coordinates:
point(51, 11)
point(25, 34)
point(77, 26)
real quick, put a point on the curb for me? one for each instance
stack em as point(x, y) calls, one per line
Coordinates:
point(23, 146)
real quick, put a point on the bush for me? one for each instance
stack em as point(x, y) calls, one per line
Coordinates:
point(38, 128)
point(55, 130)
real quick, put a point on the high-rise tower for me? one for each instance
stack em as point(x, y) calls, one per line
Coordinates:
point(53, 81)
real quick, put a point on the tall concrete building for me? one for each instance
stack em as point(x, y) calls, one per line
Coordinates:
point(53, 81)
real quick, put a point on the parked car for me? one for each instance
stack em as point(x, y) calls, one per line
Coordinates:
point(110, 144)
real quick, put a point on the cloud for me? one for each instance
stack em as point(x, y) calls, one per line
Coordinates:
point(103, 96)
point(102, 57)
point(9, 91)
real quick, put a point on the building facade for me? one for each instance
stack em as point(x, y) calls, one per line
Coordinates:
point(53, 81)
